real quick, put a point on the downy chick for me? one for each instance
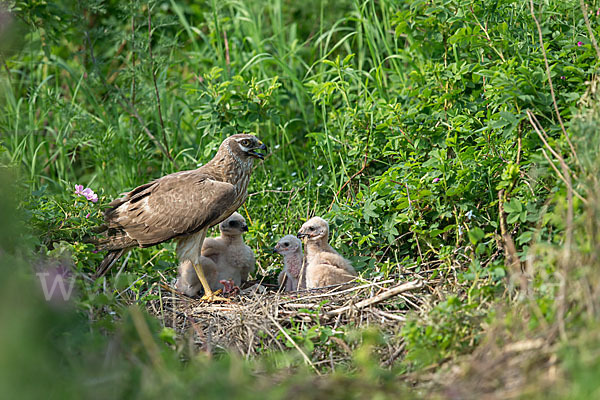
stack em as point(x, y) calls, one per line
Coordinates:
point(188, 282)
point(290, 247)
point(225, 258)
point(324, 265)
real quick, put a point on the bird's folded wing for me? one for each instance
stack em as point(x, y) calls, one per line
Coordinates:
point(172, 206)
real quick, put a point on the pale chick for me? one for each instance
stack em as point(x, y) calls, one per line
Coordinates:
point(224, 258)
point(188, 282)
point(324, 265)
point(290, 247)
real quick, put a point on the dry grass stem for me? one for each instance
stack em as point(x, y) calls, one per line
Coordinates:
point(263, 320)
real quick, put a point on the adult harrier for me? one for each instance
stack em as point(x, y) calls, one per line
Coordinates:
point(181, 206)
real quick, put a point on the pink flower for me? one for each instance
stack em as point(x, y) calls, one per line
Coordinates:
point(90, 195)
point(88, 215)
point(579, 44)
point(93, 197)
point(435, 180)
point(87, 193)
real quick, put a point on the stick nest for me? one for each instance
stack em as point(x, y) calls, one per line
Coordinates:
point(262, 318)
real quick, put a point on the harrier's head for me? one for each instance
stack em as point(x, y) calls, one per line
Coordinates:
point(234, 225)
point(288, 244)
point(245, 146)
point(314, 228)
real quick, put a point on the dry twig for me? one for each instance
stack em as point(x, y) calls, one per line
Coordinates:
point(563, 288)
point(251, 322)
point(560, 121)
point(405, 287)
point(589, 27)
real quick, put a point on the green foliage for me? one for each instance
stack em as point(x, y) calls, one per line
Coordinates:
point(429, 98)
point(402, 122)
point(72, 216)
point(452, 328)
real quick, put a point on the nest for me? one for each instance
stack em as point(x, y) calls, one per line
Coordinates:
point(262, 318)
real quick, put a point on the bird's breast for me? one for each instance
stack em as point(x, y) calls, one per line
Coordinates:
point(244, 254)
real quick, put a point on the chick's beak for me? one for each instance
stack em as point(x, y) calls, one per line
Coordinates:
point(274, 250)
point(301, 235)
point(244, 228)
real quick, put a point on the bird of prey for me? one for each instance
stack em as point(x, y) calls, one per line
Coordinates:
point(225, 259)
point(290, 247)
point(181, 206)
point(324, 265)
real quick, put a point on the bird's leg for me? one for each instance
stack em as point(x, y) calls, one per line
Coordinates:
point(209, 295)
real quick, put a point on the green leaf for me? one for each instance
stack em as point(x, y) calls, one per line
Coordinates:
point(476, 234)
point(369, 210)
point(168, 335)
point(513, 206)
point(525, 238)
point(512, 218)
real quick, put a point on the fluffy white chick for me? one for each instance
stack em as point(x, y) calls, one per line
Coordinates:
point(224, 258)
point(324, 265)
point(290, 247)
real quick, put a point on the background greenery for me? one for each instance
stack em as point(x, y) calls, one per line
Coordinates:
point(402, 122)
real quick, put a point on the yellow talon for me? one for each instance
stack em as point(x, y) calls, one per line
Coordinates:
point(209, 295)
point(212, 297)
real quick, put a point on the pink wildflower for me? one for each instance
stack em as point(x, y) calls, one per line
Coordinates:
point(87, 193)
point(93, 197)
point(435, 180)
point(88, 215)
point(90, 195)
point(579, 44)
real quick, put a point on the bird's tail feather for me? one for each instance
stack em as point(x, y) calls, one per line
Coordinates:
point(110, 260)
point(114, 240)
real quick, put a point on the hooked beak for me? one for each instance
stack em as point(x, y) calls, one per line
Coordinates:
point(245, 228)
point(301, 235)
point(274, 250)
point(256, 154)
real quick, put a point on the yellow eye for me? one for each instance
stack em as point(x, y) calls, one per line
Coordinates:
point(245, 143)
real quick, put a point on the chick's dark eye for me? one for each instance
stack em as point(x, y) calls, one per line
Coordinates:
point(286, 244)
point(312, 228)
point(233, 223)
